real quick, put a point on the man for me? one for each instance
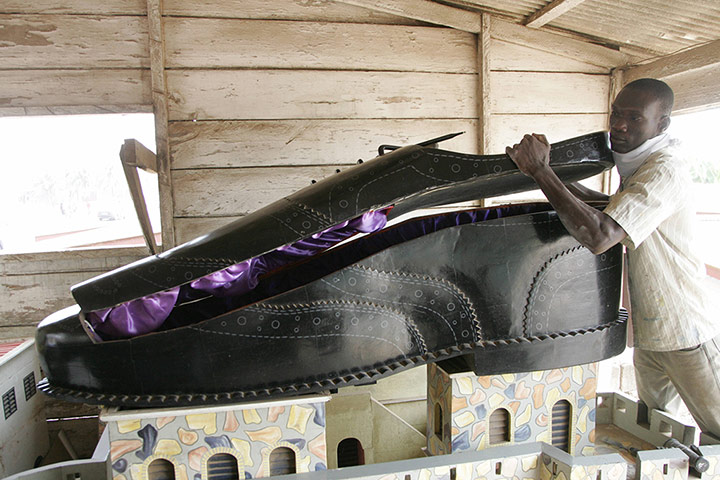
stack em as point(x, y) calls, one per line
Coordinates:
point(676, 331)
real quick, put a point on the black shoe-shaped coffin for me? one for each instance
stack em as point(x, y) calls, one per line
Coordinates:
point(507, 290)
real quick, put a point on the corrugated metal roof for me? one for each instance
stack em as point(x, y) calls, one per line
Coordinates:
point(652, 27)
point(661, 27)
point(515, 9)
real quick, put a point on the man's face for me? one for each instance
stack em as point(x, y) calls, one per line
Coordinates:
point(636, 117)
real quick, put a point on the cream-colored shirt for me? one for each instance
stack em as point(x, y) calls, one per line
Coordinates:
point(671, 305)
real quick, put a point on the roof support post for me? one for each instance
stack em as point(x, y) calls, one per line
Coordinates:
point(160, 108)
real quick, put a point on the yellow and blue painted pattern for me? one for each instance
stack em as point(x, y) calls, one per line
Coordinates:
point(189, 441)
point(467, 401)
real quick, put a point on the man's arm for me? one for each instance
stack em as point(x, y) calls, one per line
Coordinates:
point(592, 228)
point(586, 194)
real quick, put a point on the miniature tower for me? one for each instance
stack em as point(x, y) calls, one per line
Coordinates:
point(469, 412)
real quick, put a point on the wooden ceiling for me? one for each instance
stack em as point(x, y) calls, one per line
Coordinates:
point(644, 29)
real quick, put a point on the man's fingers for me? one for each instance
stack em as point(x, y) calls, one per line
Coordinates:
point(542, 138)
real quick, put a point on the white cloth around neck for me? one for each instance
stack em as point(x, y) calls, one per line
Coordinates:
point(628, 163)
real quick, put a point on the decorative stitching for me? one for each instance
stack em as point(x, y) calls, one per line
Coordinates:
point(442, 283)
point(324, 305)
point(536, 283)
point(320, 216)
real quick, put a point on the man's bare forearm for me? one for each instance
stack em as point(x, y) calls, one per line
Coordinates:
point(586, 194)
point(591, 227)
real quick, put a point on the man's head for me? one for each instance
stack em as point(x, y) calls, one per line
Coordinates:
point(640, 111)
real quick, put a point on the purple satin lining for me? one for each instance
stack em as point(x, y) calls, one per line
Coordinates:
point(243, 277)
point(147, 314)
point(135, 317)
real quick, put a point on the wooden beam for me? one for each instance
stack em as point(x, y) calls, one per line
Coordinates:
point(683, 62)
point(160, 108)
point(550, 12)
point(483, 95)
point(138, 155)
point(559, 45)
point(616, 84)
point(425, 11)
point(96, 260)
point(134, 155)
point(696, 90)
point(483, 67)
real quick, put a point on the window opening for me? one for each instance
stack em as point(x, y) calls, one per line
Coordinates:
point(9, 403)
point(438, 421)
point(29, 385)
point(350, 453)
point(642, 413)
point(161, 469)
point(222, 466)
point(693, 130)
point(499, 431)
point(561, 425)
point(282, 461)
point(65, 187)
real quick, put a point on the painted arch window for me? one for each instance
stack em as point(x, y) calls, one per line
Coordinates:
point(161, 469)
point(223, 466)
point(282, 461)
point(560, 425)
point(499, 426)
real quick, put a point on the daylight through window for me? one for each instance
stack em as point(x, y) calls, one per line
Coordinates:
point(64, 187)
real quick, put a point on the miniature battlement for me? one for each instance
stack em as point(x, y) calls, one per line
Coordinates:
point(528, 461)
point(654, 427)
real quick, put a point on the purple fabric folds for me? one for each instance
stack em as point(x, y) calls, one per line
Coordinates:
point(243, 277)
point(135, 317)
point(147, 314)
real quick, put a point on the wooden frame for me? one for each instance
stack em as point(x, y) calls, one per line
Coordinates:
point(134, 155)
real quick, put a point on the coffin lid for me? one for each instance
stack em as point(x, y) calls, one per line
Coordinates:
point(409, 178)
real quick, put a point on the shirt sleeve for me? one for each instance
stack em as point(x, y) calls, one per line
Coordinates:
point(648, 197)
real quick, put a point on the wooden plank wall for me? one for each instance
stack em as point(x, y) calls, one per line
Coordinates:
point(249, 93)
point(262, 102)
point(532, 90)
point(81, 57)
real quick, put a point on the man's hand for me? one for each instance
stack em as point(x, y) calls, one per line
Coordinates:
point(531, 155)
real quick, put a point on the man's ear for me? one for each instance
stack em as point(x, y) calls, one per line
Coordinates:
point(663, 124)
